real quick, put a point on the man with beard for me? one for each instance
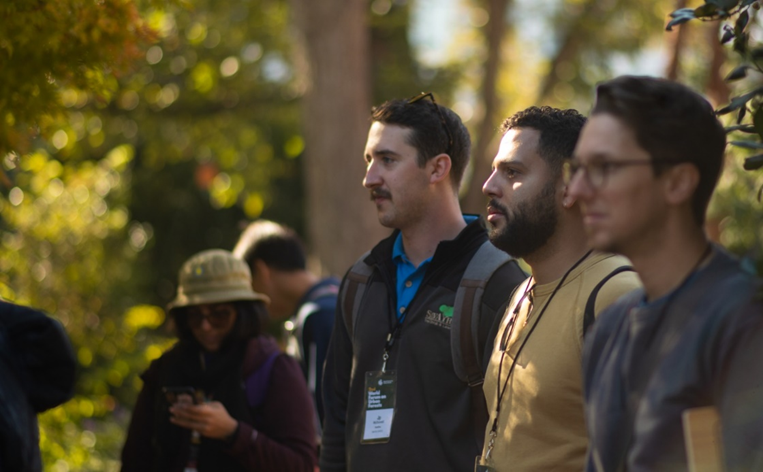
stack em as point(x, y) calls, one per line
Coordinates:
point(393, 400)
point(533, 381)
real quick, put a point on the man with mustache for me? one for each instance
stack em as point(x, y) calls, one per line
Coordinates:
point(533, 383)
point(684, 353)
point(393, 400)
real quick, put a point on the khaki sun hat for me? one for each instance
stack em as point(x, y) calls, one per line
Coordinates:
point(214, 276)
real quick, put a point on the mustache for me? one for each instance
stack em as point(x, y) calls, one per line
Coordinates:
point(380, 193)
point(494, 205)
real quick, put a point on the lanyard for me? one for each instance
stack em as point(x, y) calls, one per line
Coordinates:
point(506, 337)
point(391, 341)
point(397, 327)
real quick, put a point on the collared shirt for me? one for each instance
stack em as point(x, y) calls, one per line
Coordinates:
point(409, 277)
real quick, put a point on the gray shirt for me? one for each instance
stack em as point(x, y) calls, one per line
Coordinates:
point(645, 363)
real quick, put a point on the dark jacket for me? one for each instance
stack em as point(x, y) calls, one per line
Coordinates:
point(645, 364)
point(276, 436)
point(434, 422)
point(37, 372)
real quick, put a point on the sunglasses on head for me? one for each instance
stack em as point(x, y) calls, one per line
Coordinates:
point(430, 96)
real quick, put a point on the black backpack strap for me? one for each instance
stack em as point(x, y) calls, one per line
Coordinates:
point(352, 293)
point(588, 315)
point(464, 333)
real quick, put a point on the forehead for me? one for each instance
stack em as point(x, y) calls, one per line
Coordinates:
point(520, 146)
point(387, 137)
point(605, 135)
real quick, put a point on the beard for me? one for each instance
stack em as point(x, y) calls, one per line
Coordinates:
point(529, 226)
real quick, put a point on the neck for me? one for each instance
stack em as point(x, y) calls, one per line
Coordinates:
point(291, 287)
point(440, 224)
point(665, 262)
point(567, 246)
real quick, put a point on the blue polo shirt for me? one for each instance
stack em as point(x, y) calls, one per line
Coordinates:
point(409, 276)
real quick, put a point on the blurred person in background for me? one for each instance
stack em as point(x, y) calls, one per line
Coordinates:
point(224, 398)
point(37, 372)
point(673, 368)
point(300, 301)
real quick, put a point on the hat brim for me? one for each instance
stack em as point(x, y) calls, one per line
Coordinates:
point(223, 296)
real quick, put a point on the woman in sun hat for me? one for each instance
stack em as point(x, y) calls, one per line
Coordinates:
point(223, 398)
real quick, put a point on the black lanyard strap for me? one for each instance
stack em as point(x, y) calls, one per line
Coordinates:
point(501, 389)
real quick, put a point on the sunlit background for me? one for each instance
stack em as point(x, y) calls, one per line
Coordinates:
point(204, 129)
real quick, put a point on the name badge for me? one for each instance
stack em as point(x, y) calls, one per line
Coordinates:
point(379, 407)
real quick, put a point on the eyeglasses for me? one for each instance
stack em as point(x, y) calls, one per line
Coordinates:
point(217, 317)
point(429, 95)
point(596, 173)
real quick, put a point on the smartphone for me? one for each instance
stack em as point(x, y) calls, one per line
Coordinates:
point(180, 394)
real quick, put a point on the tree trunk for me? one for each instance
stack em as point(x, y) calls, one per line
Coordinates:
point(474, 201)
point(341, 222)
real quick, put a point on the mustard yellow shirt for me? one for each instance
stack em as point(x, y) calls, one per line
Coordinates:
point(541, 425)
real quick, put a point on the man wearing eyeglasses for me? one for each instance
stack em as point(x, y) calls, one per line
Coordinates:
point(666, 362)
point(393, 399)
point(533, 384)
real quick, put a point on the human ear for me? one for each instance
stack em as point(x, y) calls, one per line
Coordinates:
point(681, 182)
point(568, 200)
point(439, 168)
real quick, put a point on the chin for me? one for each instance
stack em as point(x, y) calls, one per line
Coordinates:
point(602, 243)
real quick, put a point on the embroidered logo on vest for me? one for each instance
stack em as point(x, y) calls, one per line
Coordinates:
point(442, 319)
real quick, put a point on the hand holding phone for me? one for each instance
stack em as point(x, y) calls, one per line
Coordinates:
point(183, 395)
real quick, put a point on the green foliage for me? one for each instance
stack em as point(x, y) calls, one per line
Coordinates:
point(212, 113)
point(67, 248)
point(748, 106)
point(67, 43)
point(738, 218)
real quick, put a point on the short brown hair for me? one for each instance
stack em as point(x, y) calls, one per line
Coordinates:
point(427, 133)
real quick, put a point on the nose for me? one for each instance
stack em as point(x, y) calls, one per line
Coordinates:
point(490, 188)
point(372, 178)
point(205, 324)
point(578, 186)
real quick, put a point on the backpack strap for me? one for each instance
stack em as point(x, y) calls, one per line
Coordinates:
point(464, 333)
point(588, 315)
point(352, 292)
point(257, 383)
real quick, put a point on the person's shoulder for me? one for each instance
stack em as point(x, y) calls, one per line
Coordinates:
point(617, 276)
point(503, 277)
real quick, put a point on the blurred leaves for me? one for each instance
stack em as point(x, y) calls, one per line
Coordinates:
point(45, 46)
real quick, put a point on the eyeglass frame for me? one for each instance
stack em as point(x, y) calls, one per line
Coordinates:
point(568, 173)
point(195, 318)
point(424, 95)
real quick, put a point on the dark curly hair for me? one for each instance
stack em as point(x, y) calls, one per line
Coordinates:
point(428, 135)
point(673, 124)
point(559, 132)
